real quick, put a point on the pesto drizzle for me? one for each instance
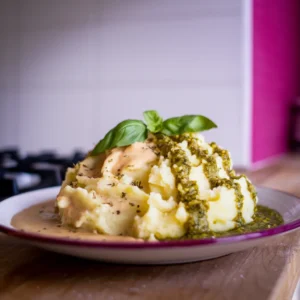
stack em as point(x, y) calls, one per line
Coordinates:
point(224, 154)
point(188, 192)
point(264, 218)
point(210, 169)
point(250, 186)
point(252, 191)
point(239, 197)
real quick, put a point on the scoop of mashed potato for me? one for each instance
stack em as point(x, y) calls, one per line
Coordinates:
point(164, 188)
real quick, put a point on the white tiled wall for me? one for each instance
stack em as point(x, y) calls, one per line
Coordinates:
point(70, 70)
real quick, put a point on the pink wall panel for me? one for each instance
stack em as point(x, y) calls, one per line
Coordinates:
point(276, 70)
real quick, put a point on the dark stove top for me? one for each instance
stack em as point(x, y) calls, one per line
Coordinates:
point(21, 174)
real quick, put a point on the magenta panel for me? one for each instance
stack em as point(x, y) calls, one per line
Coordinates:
point(276, 69)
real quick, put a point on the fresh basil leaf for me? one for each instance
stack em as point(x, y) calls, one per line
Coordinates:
point(153, 120)
point(188, 123)
point(124, 134)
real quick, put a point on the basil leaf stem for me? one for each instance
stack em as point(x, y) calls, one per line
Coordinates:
point(153, 120)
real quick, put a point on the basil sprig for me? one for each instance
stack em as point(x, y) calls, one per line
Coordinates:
point(131, 131)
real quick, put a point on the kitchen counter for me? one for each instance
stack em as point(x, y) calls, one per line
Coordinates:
point(270, 271)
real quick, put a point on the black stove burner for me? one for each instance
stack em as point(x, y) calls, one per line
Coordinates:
point(18, 175)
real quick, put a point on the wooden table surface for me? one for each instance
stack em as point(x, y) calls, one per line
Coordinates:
point(270, 271)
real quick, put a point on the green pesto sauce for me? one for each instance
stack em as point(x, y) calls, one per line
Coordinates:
point(264, 218)
point(224, 154)
point(188, 193)
point(210, 170)
point(239, 197)
point(252, 190)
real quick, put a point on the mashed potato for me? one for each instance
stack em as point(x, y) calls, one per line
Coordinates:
point(164, 188)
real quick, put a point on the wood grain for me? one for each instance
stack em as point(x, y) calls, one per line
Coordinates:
point(269, 271)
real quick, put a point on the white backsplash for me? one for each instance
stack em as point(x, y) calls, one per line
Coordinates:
point(70, 70)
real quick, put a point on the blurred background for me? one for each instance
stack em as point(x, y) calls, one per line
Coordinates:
point(71, 69)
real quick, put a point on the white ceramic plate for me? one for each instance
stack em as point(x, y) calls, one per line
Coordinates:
point(151, 252)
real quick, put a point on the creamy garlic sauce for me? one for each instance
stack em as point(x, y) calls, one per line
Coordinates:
point(133, 157)
point(41, 219)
